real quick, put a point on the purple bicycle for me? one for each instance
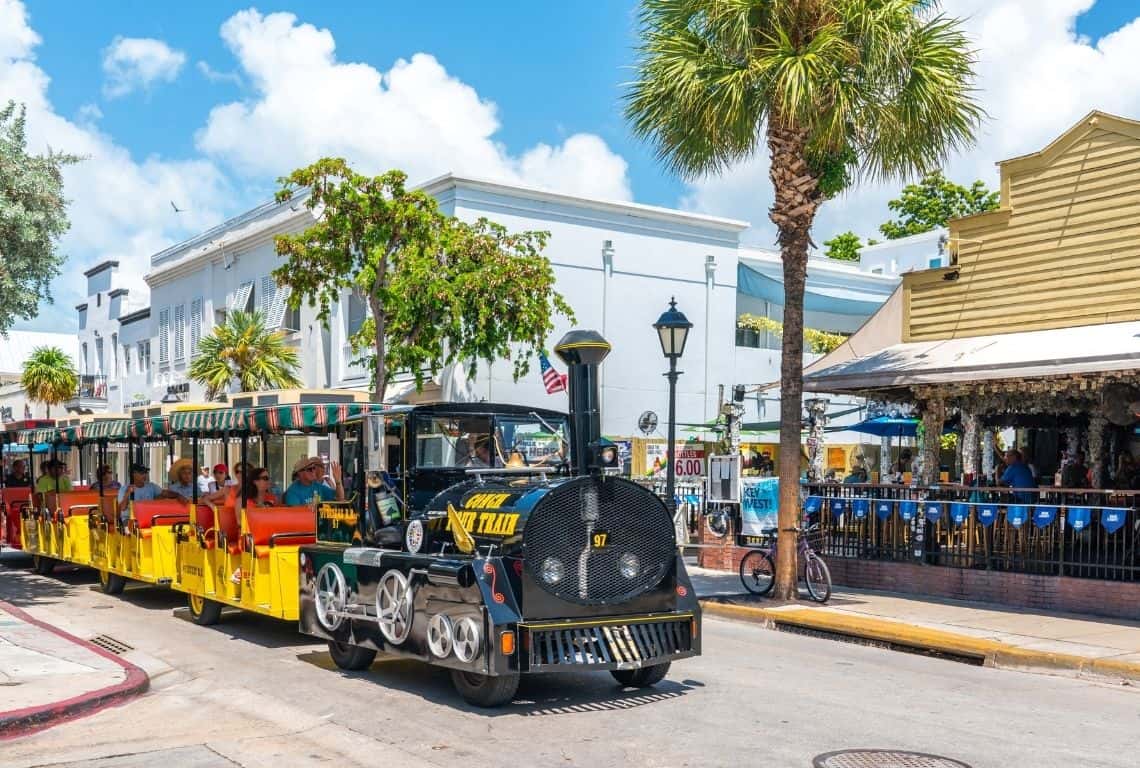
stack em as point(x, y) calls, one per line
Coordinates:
point(758, 569)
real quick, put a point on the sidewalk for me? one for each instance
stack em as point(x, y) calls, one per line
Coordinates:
point(48, 676)
point(1000, 637)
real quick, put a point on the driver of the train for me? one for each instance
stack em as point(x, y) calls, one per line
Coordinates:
point(480, 451)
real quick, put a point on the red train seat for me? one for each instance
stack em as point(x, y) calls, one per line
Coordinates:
point(67, 501)
point(268, 524)
point(229, 526)
point(148, 514)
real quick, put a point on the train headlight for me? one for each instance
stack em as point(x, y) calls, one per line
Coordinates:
point(553, 571)
point(629, 566)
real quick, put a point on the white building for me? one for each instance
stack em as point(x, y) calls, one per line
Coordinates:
point(927, 250)
point(618, 264)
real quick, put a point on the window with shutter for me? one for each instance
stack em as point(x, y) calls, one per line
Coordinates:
point(195, 326)
point(179, 330)
point(164, 335)
point(268, 288)
point(126, 359)
point(240, 301)
point(275, 316)
point(356, 313)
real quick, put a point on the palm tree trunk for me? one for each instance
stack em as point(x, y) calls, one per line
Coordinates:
point(793, 212)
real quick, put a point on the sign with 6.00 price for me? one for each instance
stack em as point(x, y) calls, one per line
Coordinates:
point(688, 460)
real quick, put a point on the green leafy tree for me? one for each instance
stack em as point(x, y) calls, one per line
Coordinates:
point(438, 290)
point(241, 349)
point(934, 201)
point(834, 90)
point(49, 377)
point(33, 216)
point(845, 246)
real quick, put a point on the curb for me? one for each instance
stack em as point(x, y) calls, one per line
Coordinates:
point(992, 653)
point(23, 722)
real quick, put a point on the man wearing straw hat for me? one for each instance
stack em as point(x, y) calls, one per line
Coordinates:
point(182, 479)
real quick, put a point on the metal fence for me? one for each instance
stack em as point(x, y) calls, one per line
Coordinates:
point(1063, 532)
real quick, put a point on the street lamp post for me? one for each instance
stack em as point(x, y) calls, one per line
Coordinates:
point(672, 330)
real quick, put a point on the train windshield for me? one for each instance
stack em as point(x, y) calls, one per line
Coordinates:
point(478, 441)
point(538, 440)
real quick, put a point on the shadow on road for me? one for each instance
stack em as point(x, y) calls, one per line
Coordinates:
point(253, 628)
point(22, 588)
point(538, 695)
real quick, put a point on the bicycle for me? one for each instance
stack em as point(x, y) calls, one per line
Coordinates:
point(758, 569)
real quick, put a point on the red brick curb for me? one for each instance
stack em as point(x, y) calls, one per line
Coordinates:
point(23, 722)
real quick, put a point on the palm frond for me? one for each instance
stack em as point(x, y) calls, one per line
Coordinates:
point(242, 349)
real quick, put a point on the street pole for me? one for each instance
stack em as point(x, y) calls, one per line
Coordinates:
point(670, 469)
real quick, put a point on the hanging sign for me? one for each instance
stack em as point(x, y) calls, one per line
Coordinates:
point(908, 509)
point(987, 513)
point(933, 511)
point(959, 512)
point(759, 502)
point(812, 505)
point(838, 506)
point(1044, 515)
point(860, 508)
point(883, 509)
point(1112, 518)
point(1017, 514)
point(1079, 517)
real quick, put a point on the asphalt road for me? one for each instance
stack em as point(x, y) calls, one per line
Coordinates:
point(254, 692)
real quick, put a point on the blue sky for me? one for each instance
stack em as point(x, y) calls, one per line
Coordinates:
point(526, 91)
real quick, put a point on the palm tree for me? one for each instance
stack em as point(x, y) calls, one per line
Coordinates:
point(836, 89)
point(49, 377)
point(242, 348)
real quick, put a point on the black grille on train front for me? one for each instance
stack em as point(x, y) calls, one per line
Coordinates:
point(609, 643)
point(587, 526)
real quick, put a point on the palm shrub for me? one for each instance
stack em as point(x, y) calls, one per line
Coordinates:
point(242, 349)
point(49, 377)
point(834, 90)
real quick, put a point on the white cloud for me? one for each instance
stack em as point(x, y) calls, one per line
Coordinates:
point(1036, 78)
point(214, 76)
point(136, 63)
point(119, 206)
point(415, 116)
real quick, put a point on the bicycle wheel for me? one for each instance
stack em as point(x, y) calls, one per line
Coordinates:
point(758, 572)
point(818, 579)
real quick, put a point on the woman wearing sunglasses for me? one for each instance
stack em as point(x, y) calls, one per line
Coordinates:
point(256, 484)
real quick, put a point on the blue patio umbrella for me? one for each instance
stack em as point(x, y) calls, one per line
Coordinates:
point(885, 426)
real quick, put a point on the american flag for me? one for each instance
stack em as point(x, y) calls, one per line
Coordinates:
point(554, 381)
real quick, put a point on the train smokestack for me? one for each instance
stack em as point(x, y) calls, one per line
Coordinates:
point(583, 352)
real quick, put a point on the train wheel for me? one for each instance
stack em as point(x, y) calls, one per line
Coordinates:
point(351, 657)
point(485, 690)
point(203, 612)
point(111, 583)
point(641, 678)
point(42, 565)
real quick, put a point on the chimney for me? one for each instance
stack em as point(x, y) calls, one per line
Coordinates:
point(583, 352)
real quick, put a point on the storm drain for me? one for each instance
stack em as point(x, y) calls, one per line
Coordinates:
point(883, 758)
point(108, 643)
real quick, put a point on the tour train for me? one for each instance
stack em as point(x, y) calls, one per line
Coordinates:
point(493, 540)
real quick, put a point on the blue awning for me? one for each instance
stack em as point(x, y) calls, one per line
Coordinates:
point(841, 301)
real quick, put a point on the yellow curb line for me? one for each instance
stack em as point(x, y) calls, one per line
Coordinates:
point(993, 653)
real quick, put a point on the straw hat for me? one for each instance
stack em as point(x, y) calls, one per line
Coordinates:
point(177, 466)
point(305, 462)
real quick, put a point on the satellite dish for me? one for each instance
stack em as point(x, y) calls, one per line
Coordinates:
point(647, 422)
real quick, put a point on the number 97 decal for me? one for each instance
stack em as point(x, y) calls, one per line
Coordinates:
point(600, 539)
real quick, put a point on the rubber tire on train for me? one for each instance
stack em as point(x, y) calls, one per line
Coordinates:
point(351, 658)
point(111, 583)
point(485, 690)
point(205, 613)
point(641, 678)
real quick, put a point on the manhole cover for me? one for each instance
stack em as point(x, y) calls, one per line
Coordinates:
point(883, 758)
point(108, 643)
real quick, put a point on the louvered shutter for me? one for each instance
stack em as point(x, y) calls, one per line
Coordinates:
point(240, 300)
point(276, 314)
point(195, 326)
point(164, 335)
point(179, 330)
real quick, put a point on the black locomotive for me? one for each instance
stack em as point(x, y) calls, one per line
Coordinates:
point(497, 545)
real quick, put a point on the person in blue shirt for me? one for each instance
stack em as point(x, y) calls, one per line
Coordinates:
point(305, 484)
point(1018, 475)
point(140, 489)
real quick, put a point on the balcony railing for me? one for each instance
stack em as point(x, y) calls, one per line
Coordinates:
point(91, 388)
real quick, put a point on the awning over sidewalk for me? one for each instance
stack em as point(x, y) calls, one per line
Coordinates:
point(1086, 349)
